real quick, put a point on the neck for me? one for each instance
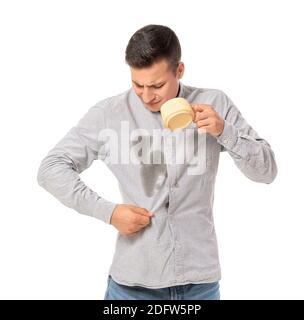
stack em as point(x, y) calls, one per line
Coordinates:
point(178, 90)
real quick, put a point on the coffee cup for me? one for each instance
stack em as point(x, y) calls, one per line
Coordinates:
point(176, 113)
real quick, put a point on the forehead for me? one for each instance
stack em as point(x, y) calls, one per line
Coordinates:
point(156, 73)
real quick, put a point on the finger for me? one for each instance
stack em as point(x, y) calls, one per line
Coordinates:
point(197, 107)
point(203, 123)
point(133, 234)
point(143, 212)
point(141, 222)
point(200, 107)
point(201, 115)
point(144, 221)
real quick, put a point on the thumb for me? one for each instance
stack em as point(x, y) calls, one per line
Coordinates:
point(143, 212)
point(197, 107)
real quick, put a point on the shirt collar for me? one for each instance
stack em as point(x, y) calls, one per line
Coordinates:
point(181, 91)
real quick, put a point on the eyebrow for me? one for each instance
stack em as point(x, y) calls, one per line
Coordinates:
point(154, 85)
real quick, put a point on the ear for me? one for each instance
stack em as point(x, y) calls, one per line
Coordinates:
point(180, 70)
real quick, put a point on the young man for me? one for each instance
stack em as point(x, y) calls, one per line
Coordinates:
point(166, 246)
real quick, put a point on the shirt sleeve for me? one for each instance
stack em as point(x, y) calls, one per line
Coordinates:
point(59, 170)
point(251, 154)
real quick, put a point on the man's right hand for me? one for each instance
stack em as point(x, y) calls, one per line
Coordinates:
point(129, 219)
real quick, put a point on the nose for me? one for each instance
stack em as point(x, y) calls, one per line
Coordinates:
point(147, 96)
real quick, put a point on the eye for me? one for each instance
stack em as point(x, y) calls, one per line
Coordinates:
point(159, 86)
point(154, 87)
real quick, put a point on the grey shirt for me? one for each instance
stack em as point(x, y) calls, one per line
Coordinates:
point(179, 246)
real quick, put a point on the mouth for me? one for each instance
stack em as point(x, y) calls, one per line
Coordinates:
point(153, 104)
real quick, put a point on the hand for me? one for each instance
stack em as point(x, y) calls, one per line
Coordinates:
point(129, 219)
point(207, 119)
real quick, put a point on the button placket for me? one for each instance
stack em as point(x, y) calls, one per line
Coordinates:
point(169, 156)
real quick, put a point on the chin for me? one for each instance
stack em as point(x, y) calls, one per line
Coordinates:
point(155, 107)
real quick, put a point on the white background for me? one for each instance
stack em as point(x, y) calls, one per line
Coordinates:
point(58, 58)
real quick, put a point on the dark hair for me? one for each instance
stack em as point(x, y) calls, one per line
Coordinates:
point(151, 44)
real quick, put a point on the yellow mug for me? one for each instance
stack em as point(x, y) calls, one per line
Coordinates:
point(177, 113)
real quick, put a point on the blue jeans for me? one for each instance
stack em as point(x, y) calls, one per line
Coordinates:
point(203, 291)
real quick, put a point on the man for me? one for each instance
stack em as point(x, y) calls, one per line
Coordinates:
point(166, 245)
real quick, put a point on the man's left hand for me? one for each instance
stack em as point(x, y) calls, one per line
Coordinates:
point(207, 119)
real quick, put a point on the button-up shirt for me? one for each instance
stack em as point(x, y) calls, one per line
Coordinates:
point(179, 246)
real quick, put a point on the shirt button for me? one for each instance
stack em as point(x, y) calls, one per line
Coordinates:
point(226, 141)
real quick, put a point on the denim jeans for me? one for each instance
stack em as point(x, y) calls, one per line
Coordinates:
point(203, 291)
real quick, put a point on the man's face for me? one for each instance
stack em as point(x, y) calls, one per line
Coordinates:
point(156, 84)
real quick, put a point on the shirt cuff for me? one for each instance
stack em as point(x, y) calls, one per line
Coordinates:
point(229, 136)
point(103, 210)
